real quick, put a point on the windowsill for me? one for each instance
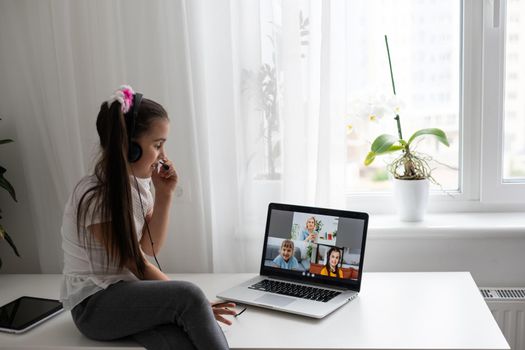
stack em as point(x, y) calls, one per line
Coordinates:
point(455, 225)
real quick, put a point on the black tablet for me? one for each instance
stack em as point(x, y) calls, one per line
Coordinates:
point(26, 312)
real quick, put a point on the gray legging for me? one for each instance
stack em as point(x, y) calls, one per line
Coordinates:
point(157, 314)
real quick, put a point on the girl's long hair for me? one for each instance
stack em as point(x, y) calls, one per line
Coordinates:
point(110, 197)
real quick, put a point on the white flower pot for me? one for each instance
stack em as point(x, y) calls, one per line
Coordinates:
point(411, 199)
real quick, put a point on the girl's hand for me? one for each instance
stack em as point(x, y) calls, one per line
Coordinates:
point(165, 181)
point(222, 308)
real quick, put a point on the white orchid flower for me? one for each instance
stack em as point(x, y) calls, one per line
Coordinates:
point(349, 128)
point(395, 104)
point(372, 108)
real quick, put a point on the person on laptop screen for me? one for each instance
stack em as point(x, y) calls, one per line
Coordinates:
point(286, 260)
point(332, 264)
point(309, 234)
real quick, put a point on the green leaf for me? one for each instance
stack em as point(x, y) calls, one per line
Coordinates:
point(372, 155)
point(438, 133)
point(395, 148)
point(5, 184)
point(5, 141)
point(370, 158)
point(382, 143)
point(11, 243)
point(4, 235)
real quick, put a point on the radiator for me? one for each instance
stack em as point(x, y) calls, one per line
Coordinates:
point(508, 307)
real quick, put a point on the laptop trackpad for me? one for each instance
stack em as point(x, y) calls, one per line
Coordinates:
point(270, 299)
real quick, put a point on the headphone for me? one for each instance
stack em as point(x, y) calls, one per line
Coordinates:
point(134, 149)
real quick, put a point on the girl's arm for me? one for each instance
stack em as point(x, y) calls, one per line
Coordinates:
point(158, 224)
point(150, 273)
point(164, 182)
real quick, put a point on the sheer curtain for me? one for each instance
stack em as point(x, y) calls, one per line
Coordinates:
point(253, 90)
point(58, 61)
point(276, 116)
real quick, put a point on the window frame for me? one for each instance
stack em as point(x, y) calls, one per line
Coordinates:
point(481, 186)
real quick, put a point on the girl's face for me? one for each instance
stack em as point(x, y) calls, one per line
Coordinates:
point(152, 143)
point(334, 258)
point(310, 224)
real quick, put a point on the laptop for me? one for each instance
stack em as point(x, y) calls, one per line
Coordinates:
point(312, 261)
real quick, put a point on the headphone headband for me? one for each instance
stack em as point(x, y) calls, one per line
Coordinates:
point(131, 115)
point(134, 149)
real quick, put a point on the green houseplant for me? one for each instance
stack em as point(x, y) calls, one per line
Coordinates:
point(9, 188)
point(409, 165)
point(410, 170)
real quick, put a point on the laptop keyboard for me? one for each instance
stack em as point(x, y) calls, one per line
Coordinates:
point(295, 290)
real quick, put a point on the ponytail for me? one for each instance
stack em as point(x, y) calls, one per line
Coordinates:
point(111, 196)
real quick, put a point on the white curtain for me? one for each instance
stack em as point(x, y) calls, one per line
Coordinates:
point(60, 59)
point(288, 116)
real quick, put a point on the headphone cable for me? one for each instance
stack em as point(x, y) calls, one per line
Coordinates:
point(145, 221)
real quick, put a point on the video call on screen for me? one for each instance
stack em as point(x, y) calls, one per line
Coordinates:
point(314, 244)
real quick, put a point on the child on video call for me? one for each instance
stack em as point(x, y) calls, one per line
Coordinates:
point(331, 267)
point(286, 260)
point(111, 220)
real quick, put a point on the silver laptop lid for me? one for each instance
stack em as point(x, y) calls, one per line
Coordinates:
point(315, 245)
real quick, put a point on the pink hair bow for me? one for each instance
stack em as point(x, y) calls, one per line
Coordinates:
point(124, 95)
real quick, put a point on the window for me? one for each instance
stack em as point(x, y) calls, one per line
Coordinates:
point(317, 63)
point(425, 45)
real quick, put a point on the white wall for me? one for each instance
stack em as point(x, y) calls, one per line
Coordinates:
point(492, 261)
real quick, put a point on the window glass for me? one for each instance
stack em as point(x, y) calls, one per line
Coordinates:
point(321, 62)
point(514, 122)
point(424, 39)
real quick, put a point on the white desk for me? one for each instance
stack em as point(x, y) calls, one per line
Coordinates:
point(393, 311)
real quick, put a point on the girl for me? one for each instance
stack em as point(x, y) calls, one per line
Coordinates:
point(111, 220)
point(331, 267)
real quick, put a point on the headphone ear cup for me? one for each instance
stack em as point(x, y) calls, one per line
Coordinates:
point(134, 152)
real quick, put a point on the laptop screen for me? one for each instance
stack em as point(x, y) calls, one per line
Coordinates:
point(315, 244)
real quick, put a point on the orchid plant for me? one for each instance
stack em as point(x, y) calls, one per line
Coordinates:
point(410, 165)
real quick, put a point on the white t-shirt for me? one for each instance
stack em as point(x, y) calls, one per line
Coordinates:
point(85, 271)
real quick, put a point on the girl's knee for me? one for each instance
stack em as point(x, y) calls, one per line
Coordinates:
point(192, 293)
